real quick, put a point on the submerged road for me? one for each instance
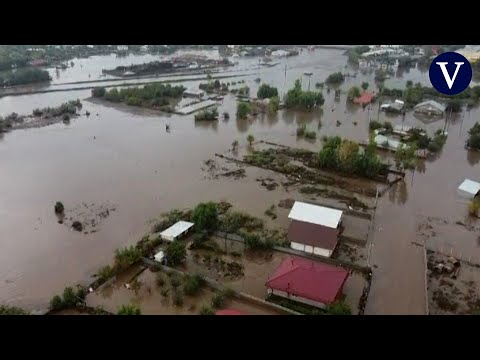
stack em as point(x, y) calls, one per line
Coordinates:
point(398, 283)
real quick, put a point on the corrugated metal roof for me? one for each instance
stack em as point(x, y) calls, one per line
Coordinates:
point(430, 104)
point(309, 279)
point(313, 235)
point(470, 187)
point(382, 140)
point(315, 214)
point(177, 229)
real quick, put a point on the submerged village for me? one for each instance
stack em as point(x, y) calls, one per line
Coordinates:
point(237, 180)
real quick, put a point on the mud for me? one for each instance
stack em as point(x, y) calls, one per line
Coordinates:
point(86, 217)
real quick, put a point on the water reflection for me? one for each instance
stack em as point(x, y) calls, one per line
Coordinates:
point(207, 125)
point(473, 157)
point(398, 193)
point(421, 166)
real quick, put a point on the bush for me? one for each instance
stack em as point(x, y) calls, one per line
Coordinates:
point(159, 280)
point(335, 78)
point(56, 303)
point(474, 138)
point(11, 310)
point(353, 93)
point(178, 298)
point(301, 130)
point(207, 311)
point(250, 139)
point(307, 100)
point(129, 309)
point(126, 257)
point(273, 105)
point(205, 216)
point(193, 284)
point(99, 92)
point(388, 126)
point(474, 207)
point(105, 272)
point(59, 208)
point(310, 135)
point(338, 308)
point(207, 115)
point(244, 91)
point(218, 301)
point(374, 125)
point(266, 92)
point(175, 253)
point(243, 110)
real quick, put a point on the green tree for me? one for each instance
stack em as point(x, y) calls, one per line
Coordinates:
point(409, 84)
point(59, 208)
point(99, 92)
point(11, 310)
point(347, 155)
point(250, 139)
point(454, 105)
point(235, 145)
point(405, 157)
point(243, 109)
point(353, 93)
point(335, 78)
point(338, 308)
point(273, 105)
point(205, 216)
point(265, 91)
point(129, 309)
point(176, 253)
point(365, 85)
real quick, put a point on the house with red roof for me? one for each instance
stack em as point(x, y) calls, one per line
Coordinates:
point(364, 99)
point(306, 281)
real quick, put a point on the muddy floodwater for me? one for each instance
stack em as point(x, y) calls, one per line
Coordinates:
point(123, 158)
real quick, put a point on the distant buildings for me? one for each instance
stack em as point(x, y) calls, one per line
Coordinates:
point(430, 107)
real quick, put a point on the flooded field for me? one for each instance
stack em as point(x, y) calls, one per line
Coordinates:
point(126, 159)
point(153, 299)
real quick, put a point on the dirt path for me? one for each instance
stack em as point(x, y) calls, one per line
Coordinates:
point(398, 284)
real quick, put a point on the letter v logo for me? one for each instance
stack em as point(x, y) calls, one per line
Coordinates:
point(450, 73)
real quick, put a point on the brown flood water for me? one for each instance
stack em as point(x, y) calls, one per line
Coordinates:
point(135, 165)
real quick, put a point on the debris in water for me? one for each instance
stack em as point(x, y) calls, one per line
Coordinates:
point(77, 225)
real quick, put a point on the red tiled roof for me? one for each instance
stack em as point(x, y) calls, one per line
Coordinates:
point(365, 98)
point(229, 312)
point(309, 279)
point(313, 235)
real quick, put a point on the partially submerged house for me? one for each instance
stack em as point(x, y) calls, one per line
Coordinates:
point(314, 229)
point(430, 107)
point(176, 230)
point(395, 106)
point(390, 143)
point(194, 93)
point(364, 99)
point(306, 281)
point(469, 189)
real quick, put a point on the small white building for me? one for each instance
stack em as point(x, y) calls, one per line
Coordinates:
point(194, 93)
point(430, 107)
point(388, 143)
point(175, 231)
point(469, 188)
point(159, 257)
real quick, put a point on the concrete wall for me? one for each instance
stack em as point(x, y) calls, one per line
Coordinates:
point(297, 298)
point(310, 249)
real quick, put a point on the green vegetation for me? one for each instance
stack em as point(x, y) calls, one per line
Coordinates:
point(70, 298)
point(338, 308)
point(303, 132)
point(215, 86)
point(206, 310)
point(170, 218)
point(219, 299)
point(175, 253)
point(235, 145)
point(193, 284)
point(353, 93)
point(335, 78)
point(375, 125)
point(270, 212)
point(23, 76)
point(59, 208)
point(177, 298)
point(150, 96)
point(319, 85)
point(273, 105)
point(243, 110)
point(250, 139)
point(126, 257)
point(11, 310)
point(266, 92)
point(207, 115)
point(244, 91)
point(344, 156)
point(297, 98)
point(474, 207)
point(105, 273)
point(159, 279)
point(205, 216)
point(234, 221)
point(99, 92)
point(365, 85)
point(354, 54)
point(253, 242)
point(129, 309)
point(473, 141)
point(405, 157)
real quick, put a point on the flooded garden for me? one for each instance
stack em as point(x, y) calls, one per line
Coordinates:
point(118, 168)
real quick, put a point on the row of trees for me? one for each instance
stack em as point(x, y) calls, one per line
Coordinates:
point(213, 86)
point(345, 156)
point(474, 138)
point(23, 76)
point(151, 95)
point(266, 92)
point(297, 98)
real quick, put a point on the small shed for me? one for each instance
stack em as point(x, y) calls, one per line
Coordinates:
point(469, 188)
point(159, 257)
point(430, 107)
point(175, 231)
point(194, 93)
point(316, 214)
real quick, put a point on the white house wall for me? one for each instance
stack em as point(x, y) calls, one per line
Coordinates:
point(322, 252)
point(297, 298)
point(310, 249)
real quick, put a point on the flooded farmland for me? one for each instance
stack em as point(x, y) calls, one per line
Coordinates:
point(125, 158)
